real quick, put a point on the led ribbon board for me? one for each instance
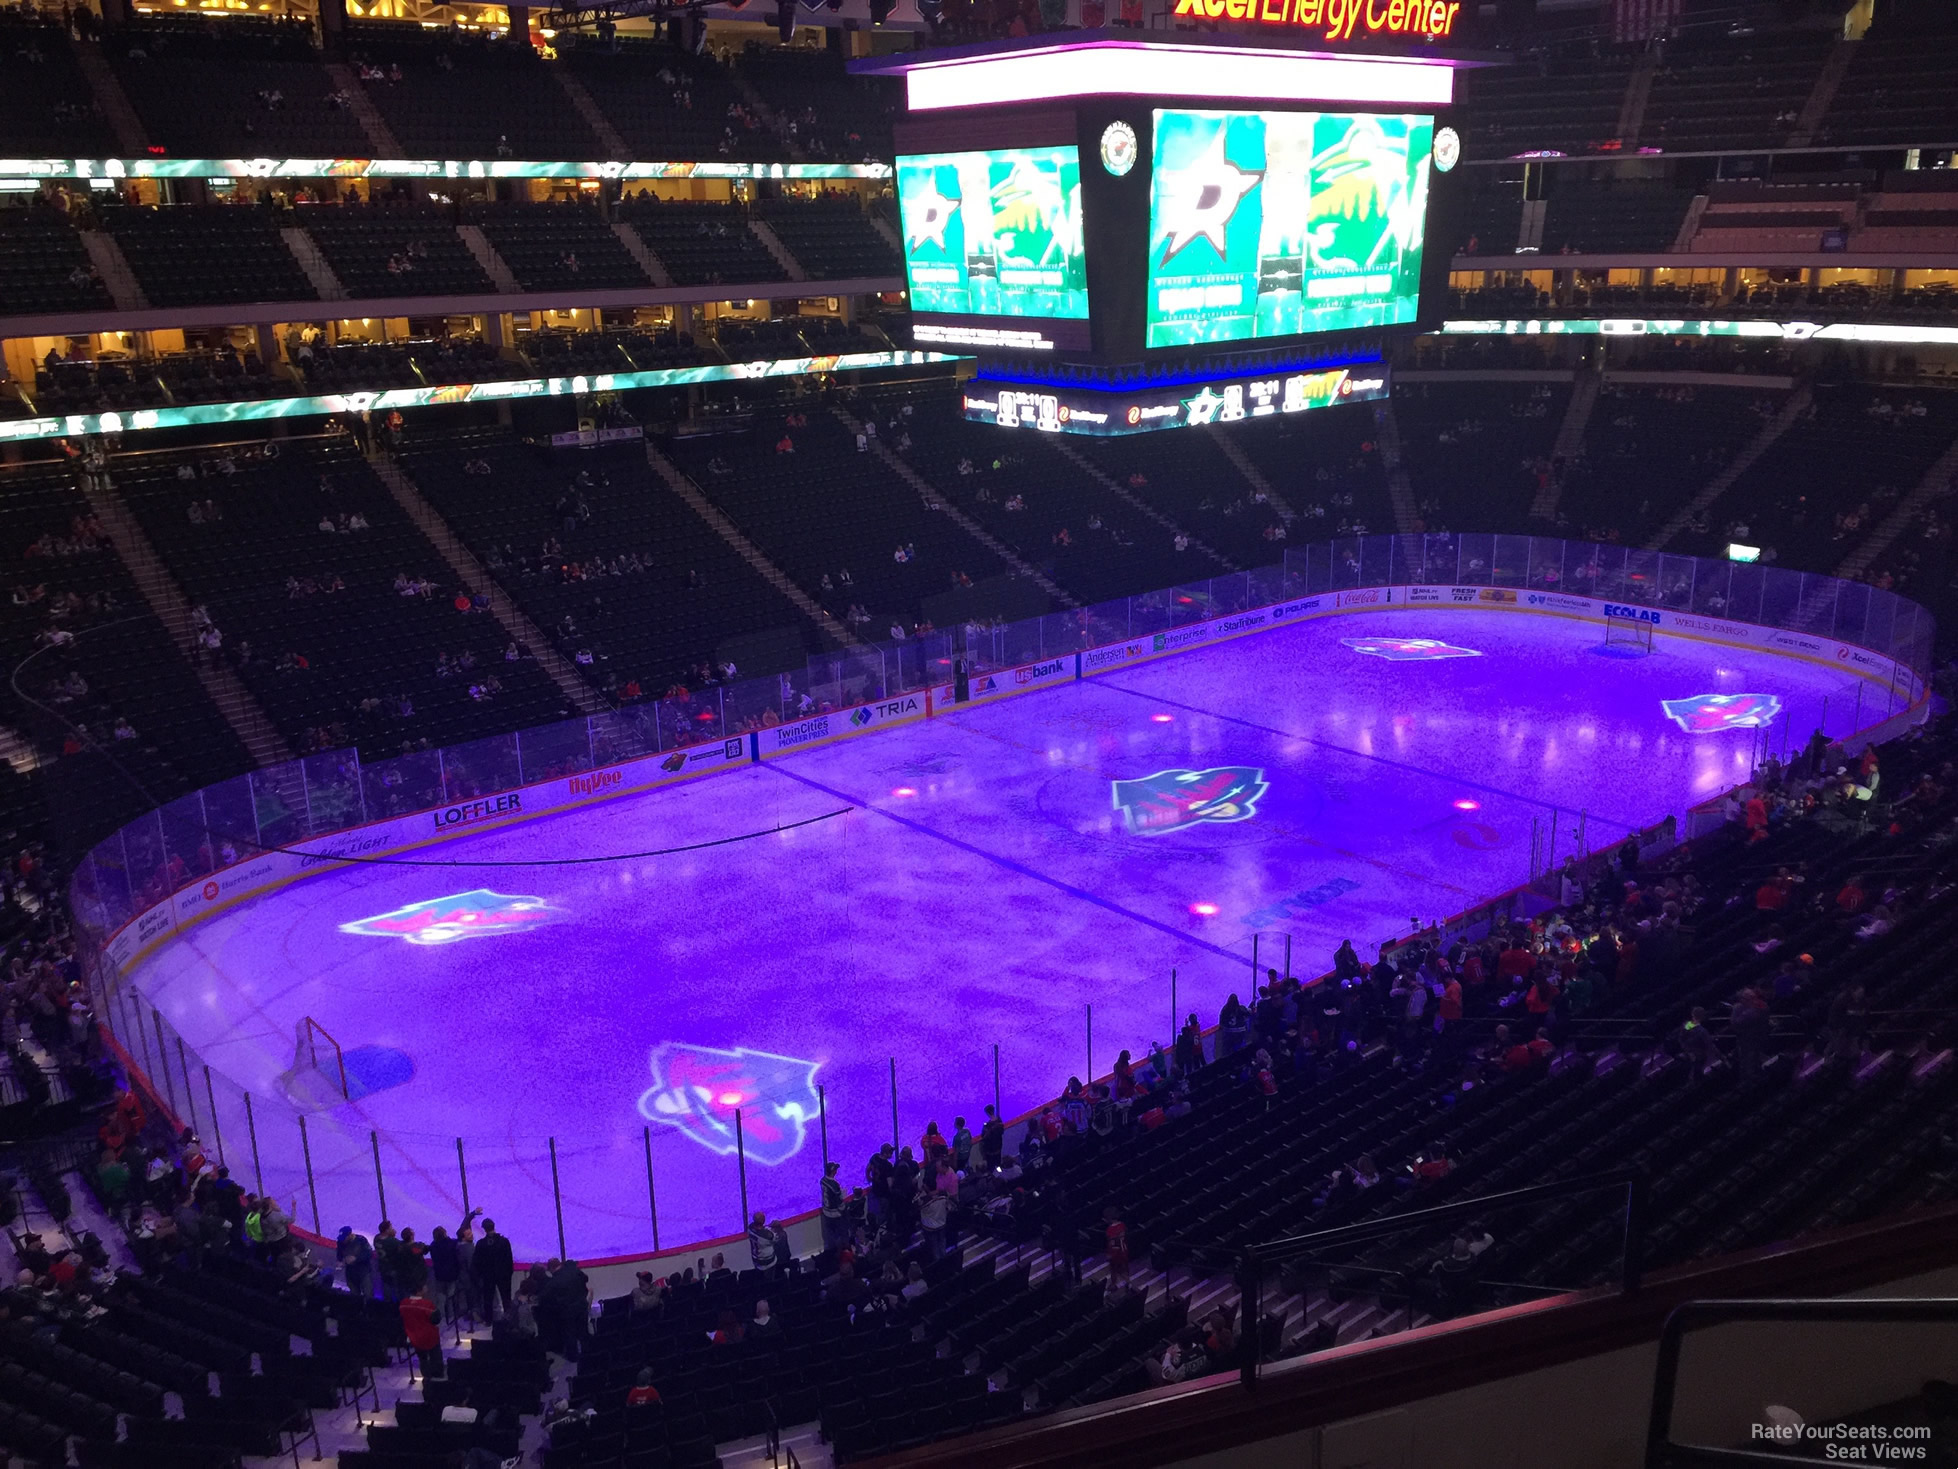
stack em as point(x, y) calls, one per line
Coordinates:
point(135, 420)
point(72, 169)
point(1055, 409)
point(1786, 331)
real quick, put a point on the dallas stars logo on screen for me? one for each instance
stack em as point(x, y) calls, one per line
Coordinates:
point(995, 233)
point(1270, 224)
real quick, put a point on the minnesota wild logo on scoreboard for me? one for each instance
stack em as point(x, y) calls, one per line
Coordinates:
point(1271, 224)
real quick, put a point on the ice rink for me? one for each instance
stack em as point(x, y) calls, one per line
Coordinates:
point(976, 880)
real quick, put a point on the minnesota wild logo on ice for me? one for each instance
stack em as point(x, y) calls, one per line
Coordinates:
point(472, 915)
point(1170, 800)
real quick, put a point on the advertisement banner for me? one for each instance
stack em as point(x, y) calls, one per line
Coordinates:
point(1104, 413)
point(421, 168)
point(1175, 639)
point(137, 420)
point(840, 724)
point(1005, 681)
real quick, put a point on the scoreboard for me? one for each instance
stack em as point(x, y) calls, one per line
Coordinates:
point(1253, 198)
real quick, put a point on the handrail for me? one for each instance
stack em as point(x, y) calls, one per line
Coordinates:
point(1254, 1258)
point(1660, 1450)
point(1154, 1427)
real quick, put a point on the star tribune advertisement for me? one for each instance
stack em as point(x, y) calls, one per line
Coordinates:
point(1274, 224)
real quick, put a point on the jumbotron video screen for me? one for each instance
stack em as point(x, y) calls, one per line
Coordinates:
point(1281, 224)
point(994, 233)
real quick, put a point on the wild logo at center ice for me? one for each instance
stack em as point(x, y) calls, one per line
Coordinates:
point(1170, 800)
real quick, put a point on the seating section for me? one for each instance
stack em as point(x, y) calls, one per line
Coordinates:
point(202, 254)
point(456, 94)
point(1047, 508)
point(433, 362)
point(345, 635)
point(1649, 450)
point(44, 267)
point(51, 112)
point(670, 105)
point(395, 252)
point(1493, 222)
point(1897, 90)
point(1590, 219)
point(1324, 465)
point(831, 238)
point(220, 89)
point(826, 111)
point(1567, 104)
point(698, 242)
point(876, 1382)
point(125, 723)
point(766, 479)
point(1478, 452)
point(650, 591)
point(558, 247)
point(624, 349)
point(1743, 92)
point(1793, 501)
point(1828, 1130)
point(1775, 217)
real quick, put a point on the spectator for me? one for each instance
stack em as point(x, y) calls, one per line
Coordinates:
point(421, 1320)
point(1696, 1044)
point(1751, 1026)
point(648, 1294)
point(444, 1270)
point(761, 1242)
point(356, 1257)
point(494, 1269)
point(835, 1229)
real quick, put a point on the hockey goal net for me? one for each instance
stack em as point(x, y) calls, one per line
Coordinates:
point(1629, 636)
point(317, 1052)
